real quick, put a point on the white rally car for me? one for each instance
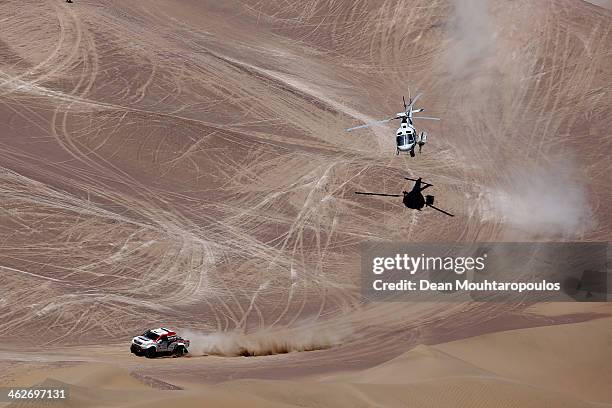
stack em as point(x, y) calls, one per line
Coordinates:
point(159, 342)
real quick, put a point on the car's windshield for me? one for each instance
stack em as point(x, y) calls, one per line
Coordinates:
point(150, 335)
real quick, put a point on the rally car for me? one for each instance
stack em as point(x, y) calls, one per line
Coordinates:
point(159, 342)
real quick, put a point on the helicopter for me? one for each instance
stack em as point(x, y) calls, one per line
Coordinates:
point(414, 198)
point(406, 135)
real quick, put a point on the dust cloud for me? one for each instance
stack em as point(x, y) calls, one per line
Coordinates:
point(265, 342)
point(545, 201)
point(473, 38)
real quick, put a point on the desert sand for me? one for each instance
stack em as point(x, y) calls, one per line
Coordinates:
point(602, 3)
point(561, 366)
point(185, 164)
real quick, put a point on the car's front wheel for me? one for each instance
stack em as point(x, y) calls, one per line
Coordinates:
point(136, 350)
point(150, 353)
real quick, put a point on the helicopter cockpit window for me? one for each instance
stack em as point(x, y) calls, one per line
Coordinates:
point(403, 140)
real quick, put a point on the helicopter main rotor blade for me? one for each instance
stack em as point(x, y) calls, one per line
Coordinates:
point(411, 179)
point(378, 194)
point(412, 102)
point(379, 122)
point(422, 182)
point(425, 117)
point(441, 210)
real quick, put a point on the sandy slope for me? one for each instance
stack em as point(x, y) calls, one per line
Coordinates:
point(186, 164)
point(602, 3)
point(561, 366)
point(546, 356)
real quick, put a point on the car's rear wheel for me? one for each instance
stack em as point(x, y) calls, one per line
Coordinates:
point(179, 351)
point(150, 353)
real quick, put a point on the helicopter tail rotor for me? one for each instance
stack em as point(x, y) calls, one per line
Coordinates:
point(429, 202)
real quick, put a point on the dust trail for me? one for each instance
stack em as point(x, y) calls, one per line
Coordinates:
point(470, 65)
point(473, 38)
point(537, 197)
point(545, 201)
point(265, 342)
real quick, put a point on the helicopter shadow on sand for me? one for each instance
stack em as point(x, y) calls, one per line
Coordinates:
point(414, 198)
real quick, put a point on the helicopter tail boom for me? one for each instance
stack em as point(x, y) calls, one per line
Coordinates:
point(441, 210)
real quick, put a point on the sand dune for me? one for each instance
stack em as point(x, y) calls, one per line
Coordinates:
point(602, 3)
point(186, 164)
point(567, 358)
point(562, 366)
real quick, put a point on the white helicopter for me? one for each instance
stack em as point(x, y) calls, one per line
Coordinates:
point(406, 136)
